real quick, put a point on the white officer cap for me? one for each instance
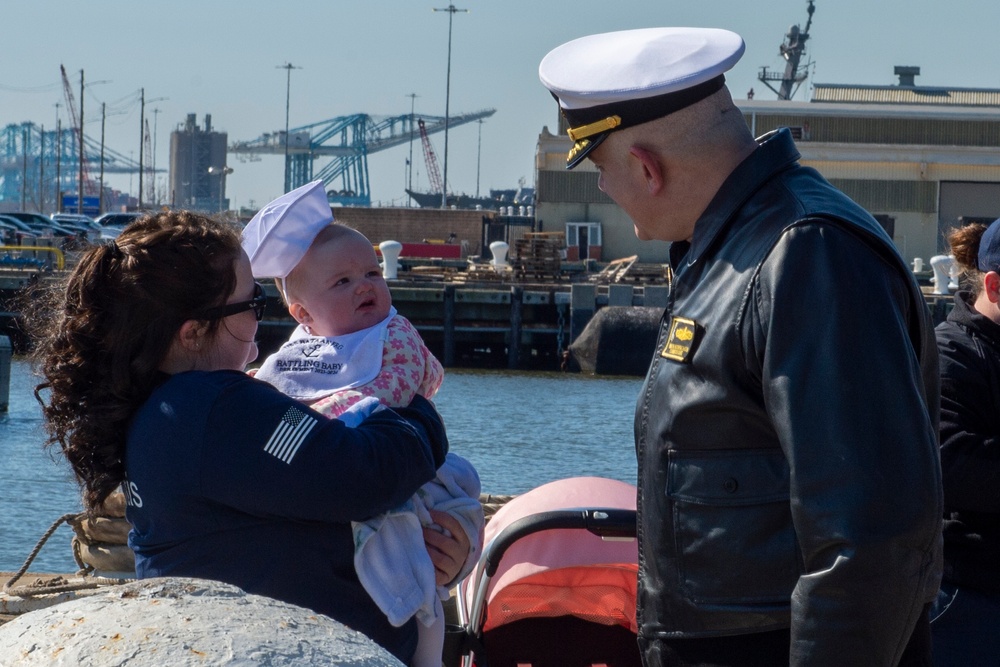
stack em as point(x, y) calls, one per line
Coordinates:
point(615, 80)
point(279, 235)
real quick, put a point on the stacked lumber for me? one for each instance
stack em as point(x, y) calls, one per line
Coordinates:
point(538, 255)
point(630, 270)
point(427, 273)
point(481, 273)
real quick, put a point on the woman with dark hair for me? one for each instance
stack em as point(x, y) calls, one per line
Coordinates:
point(967, 612)
point(225, 477)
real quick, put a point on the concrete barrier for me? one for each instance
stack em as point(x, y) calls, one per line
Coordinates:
point(177, 621)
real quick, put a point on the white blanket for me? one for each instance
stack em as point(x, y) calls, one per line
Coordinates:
point(389, 552)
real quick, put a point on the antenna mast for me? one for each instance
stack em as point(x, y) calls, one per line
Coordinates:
point(791, 50)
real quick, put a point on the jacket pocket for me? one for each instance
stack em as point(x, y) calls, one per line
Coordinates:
point(733, 535)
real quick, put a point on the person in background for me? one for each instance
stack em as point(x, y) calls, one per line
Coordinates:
point(789, 489)
point(966, 614)
point(225, 477)
point(352, 350)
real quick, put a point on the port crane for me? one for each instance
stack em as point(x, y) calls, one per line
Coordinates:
point(347, 140)
point(86, 184)
point(32, 160)
point(433, 174)
point(791, 50)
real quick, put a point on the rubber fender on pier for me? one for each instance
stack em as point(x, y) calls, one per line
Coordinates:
point(618, 340)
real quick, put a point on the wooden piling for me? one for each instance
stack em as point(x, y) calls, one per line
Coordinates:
point(583, 303)
point(6, 352)
point(448, 326)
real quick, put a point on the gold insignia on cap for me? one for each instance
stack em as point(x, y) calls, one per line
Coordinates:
point(609, 123)
point(577, 147)
point(680, 339)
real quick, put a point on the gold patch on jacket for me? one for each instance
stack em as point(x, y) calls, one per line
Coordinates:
point(680, 339)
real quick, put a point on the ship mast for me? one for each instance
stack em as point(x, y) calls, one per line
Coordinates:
point(791, 50)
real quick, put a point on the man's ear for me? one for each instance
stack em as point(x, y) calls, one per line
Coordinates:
point(652, 169)
point(991, 285)
point(192, 335)
point(300, 314)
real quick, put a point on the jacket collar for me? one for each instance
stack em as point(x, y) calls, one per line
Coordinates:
point(775, 152)
point(966, 316)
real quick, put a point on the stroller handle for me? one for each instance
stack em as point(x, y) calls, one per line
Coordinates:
point(599, 521)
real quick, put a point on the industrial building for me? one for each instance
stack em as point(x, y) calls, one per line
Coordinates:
point(198, 167)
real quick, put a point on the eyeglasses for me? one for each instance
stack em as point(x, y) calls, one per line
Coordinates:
point(256, 304)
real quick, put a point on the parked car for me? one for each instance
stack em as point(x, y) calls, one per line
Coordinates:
point(37, 222)
point(112, 224)
point(44, 227)
point(19, 224)
point(10, 233)
point(78, 221)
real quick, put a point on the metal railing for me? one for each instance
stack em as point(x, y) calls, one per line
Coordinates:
point(9, 250)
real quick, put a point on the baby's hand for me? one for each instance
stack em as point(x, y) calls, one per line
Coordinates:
point(360, 411)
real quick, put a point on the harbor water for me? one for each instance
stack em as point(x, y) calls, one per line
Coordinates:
point(519, 429)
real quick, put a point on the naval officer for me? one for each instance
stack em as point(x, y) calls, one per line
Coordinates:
point(789, 486)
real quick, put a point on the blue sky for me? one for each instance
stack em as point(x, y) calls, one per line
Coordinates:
point(223, 57)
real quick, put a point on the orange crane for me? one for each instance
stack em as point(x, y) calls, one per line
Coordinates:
point(77, 132)
point(433, 174)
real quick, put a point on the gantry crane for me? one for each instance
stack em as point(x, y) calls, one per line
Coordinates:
point(45, 163)
point(348, 140)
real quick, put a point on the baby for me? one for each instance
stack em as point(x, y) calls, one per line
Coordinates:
point(350, 353)
point(350, 342)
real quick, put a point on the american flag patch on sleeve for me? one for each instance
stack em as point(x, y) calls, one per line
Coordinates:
point(292, 430)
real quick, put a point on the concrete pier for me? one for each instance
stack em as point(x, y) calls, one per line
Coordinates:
point(501, 325)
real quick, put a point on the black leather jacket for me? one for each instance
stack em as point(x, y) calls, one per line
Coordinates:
point(786, 432)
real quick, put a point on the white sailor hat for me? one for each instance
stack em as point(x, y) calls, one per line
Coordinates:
point(615, 80)
point(280, 234)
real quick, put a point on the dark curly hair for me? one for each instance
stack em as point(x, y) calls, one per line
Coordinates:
point(101, 335)
point(964, 243)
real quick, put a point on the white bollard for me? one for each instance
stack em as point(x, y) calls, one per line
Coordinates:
point(390, 258)
point(944, 267)
point(499, 250)
point(918, 264)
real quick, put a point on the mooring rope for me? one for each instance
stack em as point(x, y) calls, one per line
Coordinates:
point(492, 502)
point(39, 587)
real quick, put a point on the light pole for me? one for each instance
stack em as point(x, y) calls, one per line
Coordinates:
point(142, 134)
point(79, 202)
point(156, 117)
point(479, 155)
point(447, 101)
point(221, 172)
point(288, 67)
